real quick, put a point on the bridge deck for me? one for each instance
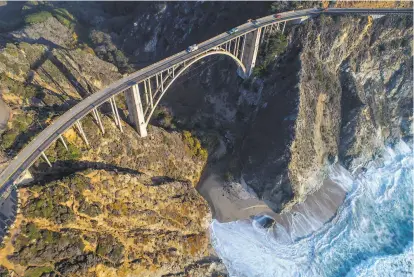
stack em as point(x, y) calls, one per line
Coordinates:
point(41, 142)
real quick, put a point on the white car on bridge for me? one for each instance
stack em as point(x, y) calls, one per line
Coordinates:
point(192, 48)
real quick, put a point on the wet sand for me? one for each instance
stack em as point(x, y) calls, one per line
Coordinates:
point(224, 205)
point(309, 216)
point(303, 219)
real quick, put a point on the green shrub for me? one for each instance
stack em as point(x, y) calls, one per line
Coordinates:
point(20, 124)
point(274, 46)
point(18, 88)
point(32, 232)
point(38, 17)
point(194, 146)
point(64, 17)
point(277, 45)
point(37, 271)
point(73, 153)
point(259, 71)
point(228, 177)
point(164, 117)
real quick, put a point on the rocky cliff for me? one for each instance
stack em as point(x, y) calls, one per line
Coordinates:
point(339, 91)
point(123, 206)
point(355, 93)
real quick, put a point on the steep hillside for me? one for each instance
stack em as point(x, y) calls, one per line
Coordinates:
point(334, 89)
point(355, 93)
point(123, 206)
point(341, 91)
point(100, 223)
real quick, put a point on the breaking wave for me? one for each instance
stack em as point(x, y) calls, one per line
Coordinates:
point(370, 235)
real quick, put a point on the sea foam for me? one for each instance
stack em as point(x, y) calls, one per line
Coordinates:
point(370, 235)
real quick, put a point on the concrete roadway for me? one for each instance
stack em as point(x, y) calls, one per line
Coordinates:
point(41, 142)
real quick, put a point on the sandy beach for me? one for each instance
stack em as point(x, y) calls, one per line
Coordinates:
point(225, 205)
point(301, 220)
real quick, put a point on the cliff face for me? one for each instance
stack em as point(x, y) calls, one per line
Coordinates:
point(355, 93)
point(340, 92)
point(100, 223)
point(125, 205)
point(131, 208)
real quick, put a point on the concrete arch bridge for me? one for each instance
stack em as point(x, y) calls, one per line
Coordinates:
point(145, 88)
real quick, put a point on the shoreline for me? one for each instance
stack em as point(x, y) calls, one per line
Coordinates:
point(300, 221)
point(224, 205)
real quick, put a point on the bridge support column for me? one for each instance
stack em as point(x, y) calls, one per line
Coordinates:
point(136, 113)
point(80, 129)
point(115, 110)
point(63, 142)
point(250, 50)
point(46, 159)
point(25, 178)
point(98, 120)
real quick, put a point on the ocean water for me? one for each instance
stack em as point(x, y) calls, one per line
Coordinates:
point(370, 235)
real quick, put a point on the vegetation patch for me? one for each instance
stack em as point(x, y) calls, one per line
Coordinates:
point(91, 209)
point(12, 61)
point(272, 47)
point(50, 204)
point(37, 271)
point(19, 125)
point(38, 17)
point(194, 146)
point(35, 246)
point(65, 17)
point(25, 92)
point(163, 118)
point(72, 153)
point(106, 49)
point(109, 248)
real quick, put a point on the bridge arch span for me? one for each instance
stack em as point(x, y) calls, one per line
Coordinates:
point(240, 43)
point(182, 70)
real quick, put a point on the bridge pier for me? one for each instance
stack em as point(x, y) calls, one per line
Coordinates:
point(98, 120)
point(249, 52)
point(26, 177)
point(63, 142)
point(46, 159)
point(82, 133)
point(116, 114)
point(136, 113)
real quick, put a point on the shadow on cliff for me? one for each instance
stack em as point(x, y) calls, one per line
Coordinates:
point(60, 169)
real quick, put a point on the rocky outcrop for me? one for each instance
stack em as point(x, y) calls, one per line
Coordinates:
point(138, 214)
point(111, 223)
point(51, 33)
point(124, 206)
point(355, 94)
point(340, 92)
point(38, 83)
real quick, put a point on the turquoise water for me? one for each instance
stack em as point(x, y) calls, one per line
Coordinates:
point(371, 234)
